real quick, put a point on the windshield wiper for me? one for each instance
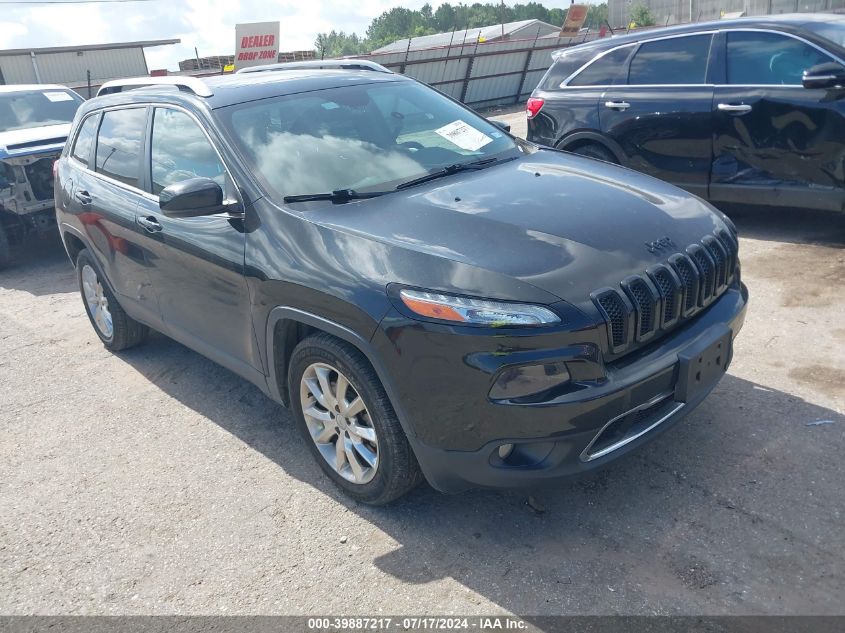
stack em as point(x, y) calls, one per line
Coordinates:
point(339, 195)
point(448, 171)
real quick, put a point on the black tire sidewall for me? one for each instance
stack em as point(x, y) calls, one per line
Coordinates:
point(595, 151)
point(382, 416)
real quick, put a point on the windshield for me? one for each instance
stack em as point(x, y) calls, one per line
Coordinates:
point(368, 137)
point(37, 108)
point(833, 31)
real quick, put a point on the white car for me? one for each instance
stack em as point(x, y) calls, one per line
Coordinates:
point(34, 124)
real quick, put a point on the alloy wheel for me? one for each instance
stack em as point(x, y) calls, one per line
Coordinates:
point(98, 304)
point(339, 423)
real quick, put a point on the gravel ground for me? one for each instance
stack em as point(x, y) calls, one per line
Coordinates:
point(156, 482)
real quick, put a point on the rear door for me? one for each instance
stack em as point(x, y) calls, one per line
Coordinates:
point(104, 196)
point(661, 118)
point(571, 101)
point(776, 142)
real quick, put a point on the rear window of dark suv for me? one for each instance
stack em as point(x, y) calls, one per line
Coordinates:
point(563, 67)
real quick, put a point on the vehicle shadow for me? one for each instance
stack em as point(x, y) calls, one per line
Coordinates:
point(41, 268)
point(796, 226)
point(708, 518)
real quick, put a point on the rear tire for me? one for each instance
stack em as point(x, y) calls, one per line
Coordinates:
point(116, 329)
point(353, 431)
point(596, 151)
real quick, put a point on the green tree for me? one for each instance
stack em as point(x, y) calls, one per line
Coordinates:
point(641, 16)
point(596, 16)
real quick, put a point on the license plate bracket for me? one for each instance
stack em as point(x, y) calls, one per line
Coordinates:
point(703, 363)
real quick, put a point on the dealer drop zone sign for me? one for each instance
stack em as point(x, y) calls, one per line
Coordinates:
point(256, 43)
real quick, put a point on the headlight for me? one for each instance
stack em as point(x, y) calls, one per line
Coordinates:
point(432, 305)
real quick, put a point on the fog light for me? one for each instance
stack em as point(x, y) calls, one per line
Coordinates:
point(528, 380)
point(505, 450)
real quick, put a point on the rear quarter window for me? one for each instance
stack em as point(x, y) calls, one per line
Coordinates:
point(85, 139)
point(563, 67)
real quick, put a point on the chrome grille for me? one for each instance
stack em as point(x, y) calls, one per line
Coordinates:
point(644, 305)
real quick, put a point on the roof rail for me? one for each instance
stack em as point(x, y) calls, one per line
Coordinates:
point(187, 84)
point(318, 64)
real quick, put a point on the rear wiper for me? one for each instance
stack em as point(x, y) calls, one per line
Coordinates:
point(448, 171)
point(340, 195)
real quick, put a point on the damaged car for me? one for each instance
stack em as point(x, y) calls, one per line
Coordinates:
point(34, 124)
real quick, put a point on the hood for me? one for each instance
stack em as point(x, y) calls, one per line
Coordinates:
point(565, 224)
point(33, 140)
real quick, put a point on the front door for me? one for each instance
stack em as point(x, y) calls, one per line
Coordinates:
point(775, 141)
point(661, 119)
point(196, 264)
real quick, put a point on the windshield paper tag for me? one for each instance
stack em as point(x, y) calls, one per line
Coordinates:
point(464, 136)
point(58, 96)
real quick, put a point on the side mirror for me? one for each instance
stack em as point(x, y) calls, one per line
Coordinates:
point(502, 125)
point(828, 75)
point(191, 198)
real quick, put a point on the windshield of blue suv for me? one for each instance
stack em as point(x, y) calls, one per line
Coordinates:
point(25, 109)
point(364, 138)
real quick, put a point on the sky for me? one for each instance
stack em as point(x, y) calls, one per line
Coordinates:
point(208, 25)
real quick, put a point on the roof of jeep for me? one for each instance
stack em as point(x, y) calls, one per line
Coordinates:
point(238, 88)
point(787, 22)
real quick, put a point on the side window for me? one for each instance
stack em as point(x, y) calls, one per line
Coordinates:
point(769, 59)
point(563, 67)
point(679, 60)
point(85, 139)
point(119, 144)
point(605, 70)
point(180, 150)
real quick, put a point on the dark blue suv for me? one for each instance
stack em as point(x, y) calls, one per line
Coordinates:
point(430, 296)
point(748, 111)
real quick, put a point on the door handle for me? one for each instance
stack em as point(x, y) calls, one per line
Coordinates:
point(735, 109)
point(150, 224)
point(83, 197)
point(617, 105)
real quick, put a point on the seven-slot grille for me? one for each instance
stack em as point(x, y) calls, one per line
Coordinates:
point(665, 294)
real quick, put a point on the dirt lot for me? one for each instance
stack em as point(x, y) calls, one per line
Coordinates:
point(157, 482)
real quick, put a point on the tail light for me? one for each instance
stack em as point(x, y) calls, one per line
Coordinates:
point(55, 167)
point(533, 106)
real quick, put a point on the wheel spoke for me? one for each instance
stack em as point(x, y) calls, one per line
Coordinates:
point(354, 464)
point(314, 388)
point(339, 455)
point(317, 414)
point(364, 432)
point(366, 454)
point(324, 435)
point(354, 408)
point(340, 391)
point(325, 387)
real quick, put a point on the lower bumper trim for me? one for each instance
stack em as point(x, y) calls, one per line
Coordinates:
point(633, 430)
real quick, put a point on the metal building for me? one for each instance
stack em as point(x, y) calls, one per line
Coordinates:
point(678, 11)
point(524, 29)
point(83, 68)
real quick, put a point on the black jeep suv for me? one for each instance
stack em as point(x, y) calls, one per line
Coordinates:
point(430, 296)
point(747, 111)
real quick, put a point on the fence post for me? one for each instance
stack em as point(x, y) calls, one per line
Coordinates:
point(468, 74)
point(525, 68)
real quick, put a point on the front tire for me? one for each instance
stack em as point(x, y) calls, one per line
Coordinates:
point(348, 422)
point(116, 329)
